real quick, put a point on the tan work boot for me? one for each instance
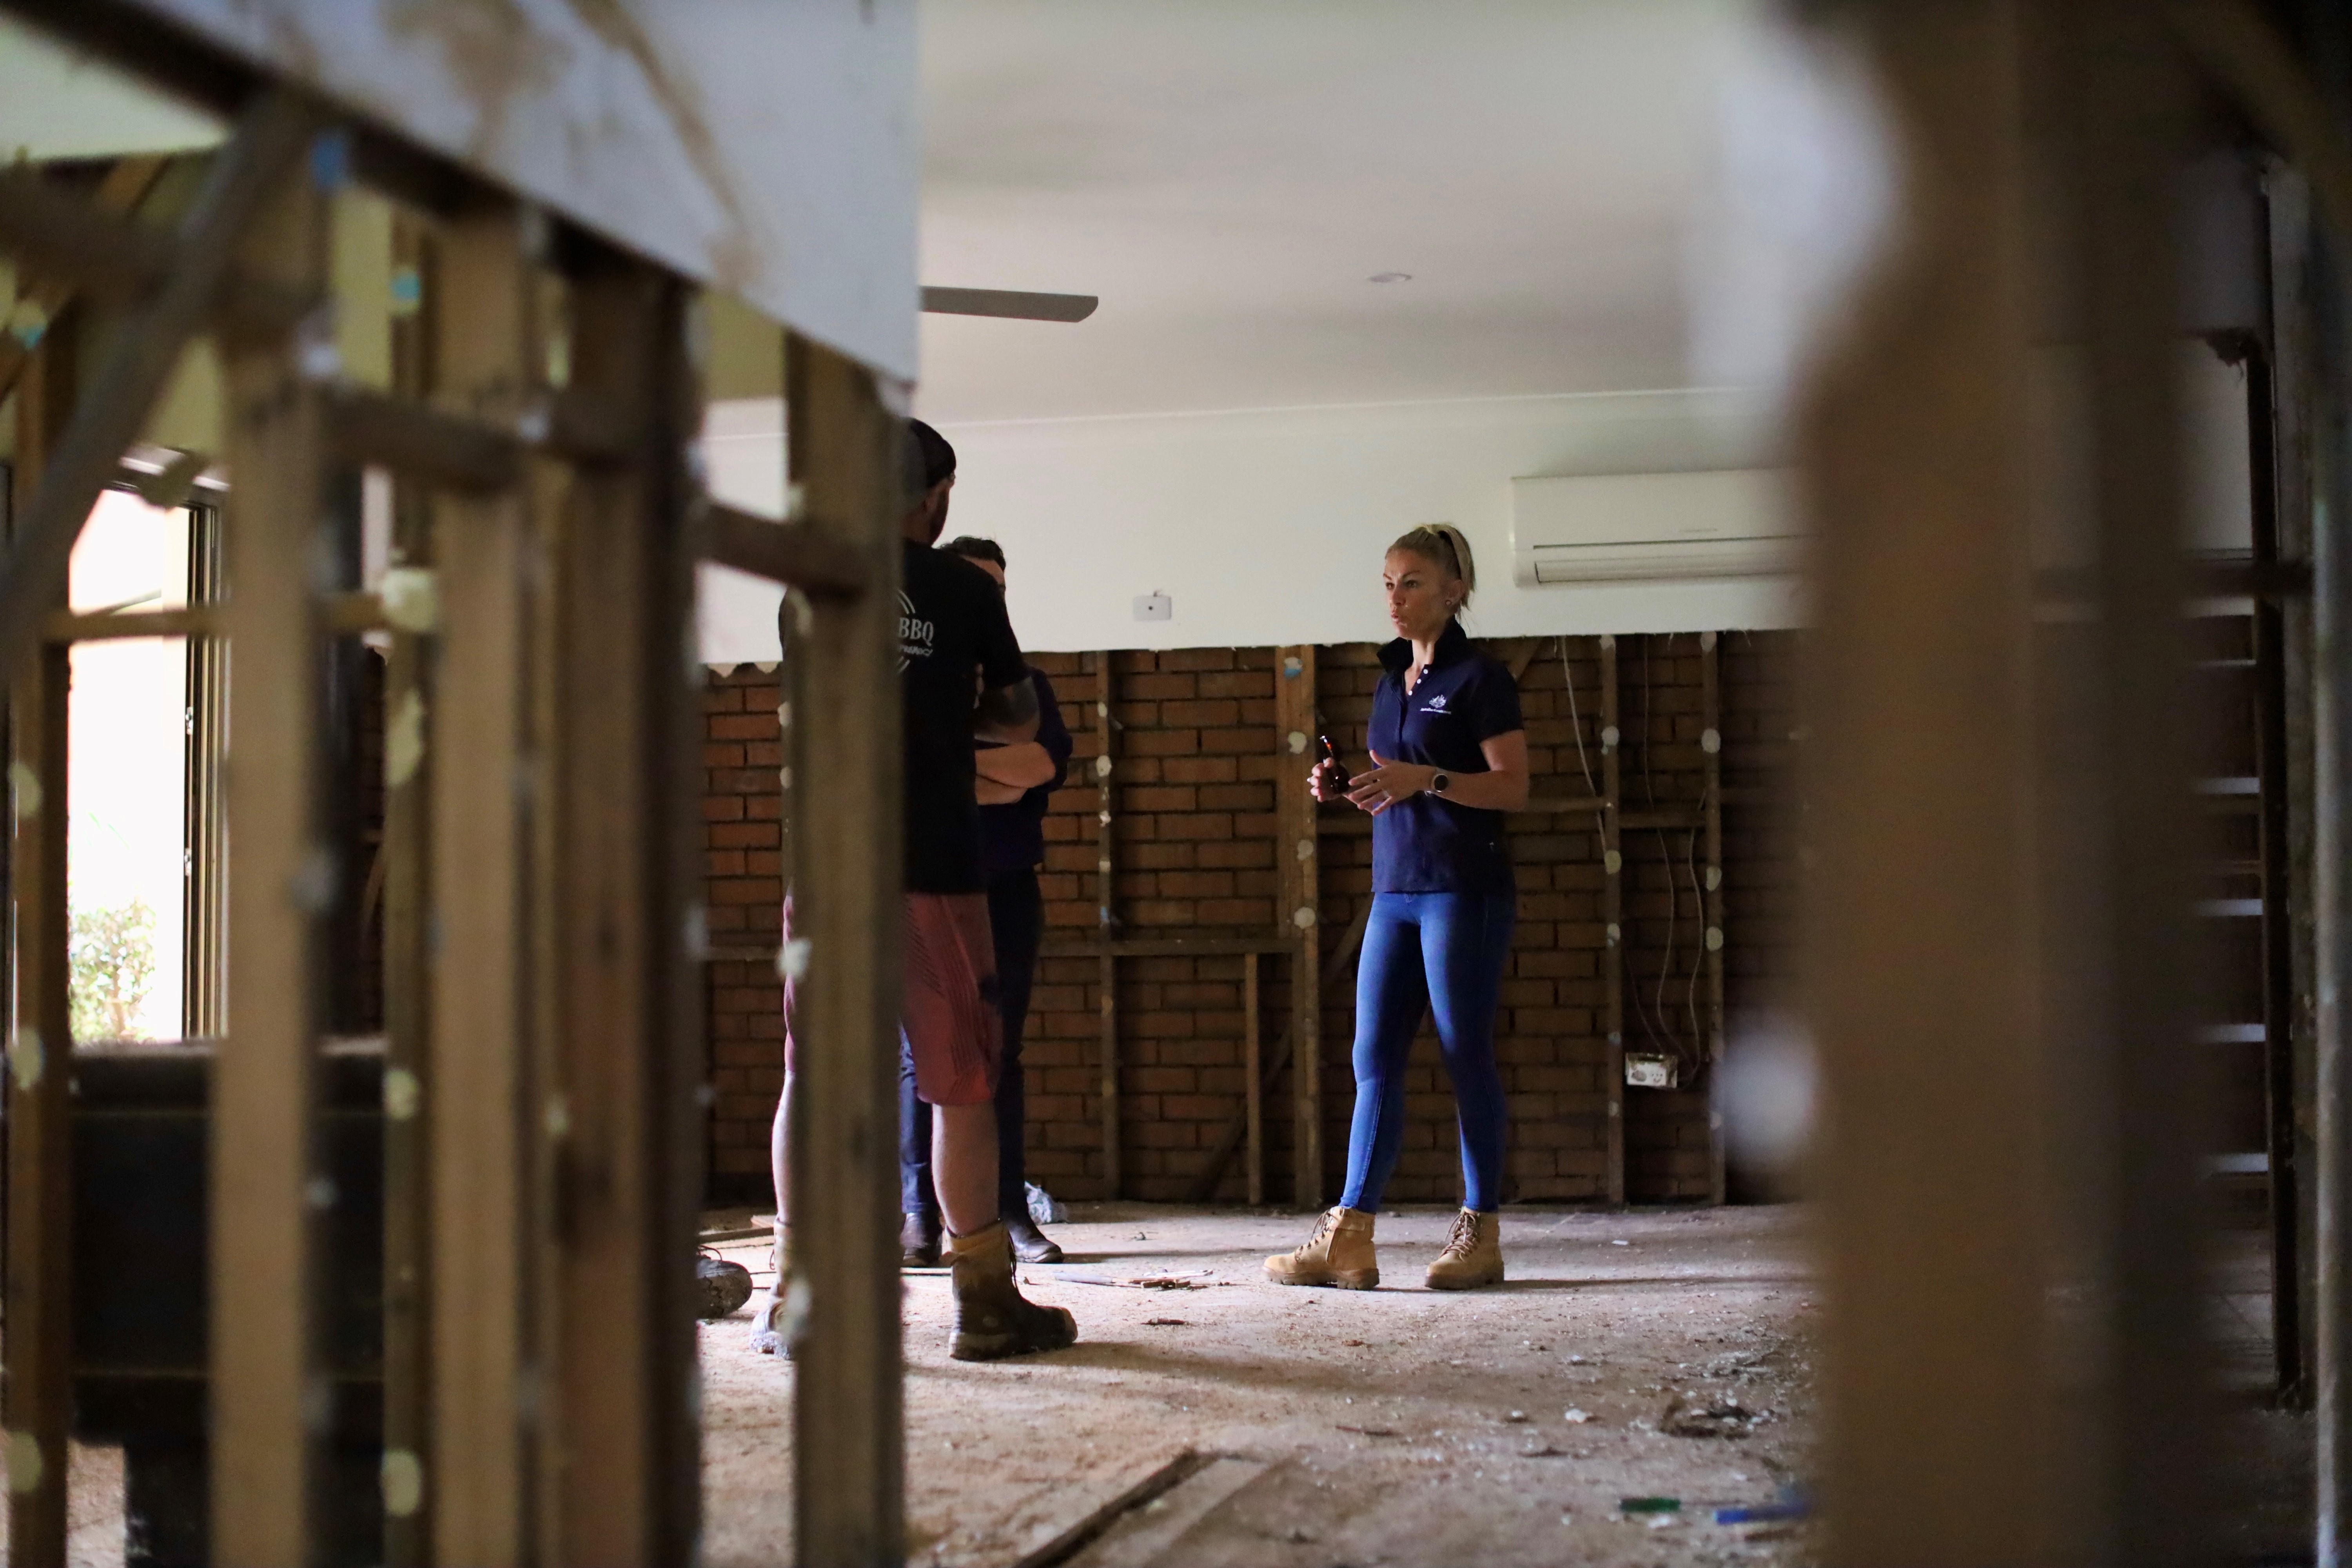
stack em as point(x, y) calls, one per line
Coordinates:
point(1338, 1253)
point(1473, 1254)
point(772, 1331)
point(993, 1319)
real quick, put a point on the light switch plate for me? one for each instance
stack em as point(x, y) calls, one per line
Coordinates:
point(1154, 607)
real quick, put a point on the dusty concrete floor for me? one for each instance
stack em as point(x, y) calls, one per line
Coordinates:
point(1368, 1427)
point(1398, 1427)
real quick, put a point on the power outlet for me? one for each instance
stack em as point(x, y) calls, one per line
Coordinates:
point(1643, 1070)
point(1154, 607)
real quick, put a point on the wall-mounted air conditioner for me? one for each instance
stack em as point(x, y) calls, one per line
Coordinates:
point(1633, 528)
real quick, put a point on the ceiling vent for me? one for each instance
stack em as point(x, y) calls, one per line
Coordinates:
point(1635, 528)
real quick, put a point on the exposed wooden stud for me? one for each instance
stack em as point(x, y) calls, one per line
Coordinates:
point(87, 247)
point(1299, 910)
point(38, 1390)
point(475, 1077)
point(124, 187)
point(266, 1409)
point(140, 360)
point(1937, 1394)
point(408, 697)
point(40, 1331)
point(1107, 917)
point(2132, 106)
point(1337, 967)
point(1613, 917)
point(811, 559)
point(620, 1062)
point(429, 445)
point(1252, 1089)
point(1710, 658)
point(848, 1422)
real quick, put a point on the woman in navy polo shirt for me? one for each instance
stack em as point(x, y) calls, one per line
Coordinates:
point(1450, 757)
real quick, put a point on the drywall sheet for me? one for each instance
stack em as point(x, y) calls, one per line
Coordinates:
point(768, 147)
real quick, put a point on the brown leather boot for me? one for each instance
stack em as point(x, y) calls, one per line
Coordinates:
point(1473, 1254)
point(1338, 1253)
point(993, 1319)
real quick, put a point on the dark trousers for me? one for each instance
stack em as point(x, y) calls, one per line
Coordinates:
point(1016, 913)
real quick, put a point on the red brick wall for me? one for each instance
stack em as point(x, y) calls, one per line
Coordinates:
point(743, 816)
point(1193, 811)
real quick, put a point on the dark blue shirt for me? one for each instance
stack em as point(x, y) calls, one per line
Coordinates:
point(1429, 845)
point(1012, 836)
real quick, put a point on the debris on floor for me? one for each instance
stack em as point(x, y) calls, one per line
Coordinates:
point(1337, 1413)
point(1709, 1415)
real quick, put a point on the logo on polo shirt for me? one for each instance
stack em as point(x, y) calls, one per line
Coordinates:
point(1435, 704)
point(916, 634)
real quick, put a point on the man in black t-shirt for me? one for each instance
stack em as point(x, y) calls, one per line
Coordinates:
point(963, 679)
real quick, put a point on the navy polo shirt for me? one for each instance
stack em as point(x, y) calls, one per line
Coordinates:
point(1428, 845)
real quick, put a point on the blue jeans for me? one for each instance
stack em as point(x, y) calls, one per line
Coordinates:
point(1016, 916)
point(1442, 952)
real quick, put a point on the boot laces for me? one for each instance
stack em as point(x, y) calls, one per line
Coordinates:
point(1464, 1238)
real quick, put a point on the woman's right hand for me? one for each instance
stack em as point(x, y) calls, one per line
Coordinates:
point(1324, 781)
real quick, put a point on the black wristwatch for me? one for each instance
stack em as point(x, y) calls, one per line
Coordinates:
point(1437, 785)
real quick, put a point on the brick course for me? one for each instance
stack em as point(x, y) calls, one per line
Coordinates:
point(1193, 796)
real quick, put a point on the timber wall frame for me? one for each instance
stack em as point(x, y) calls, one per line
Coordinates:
point(542, 927)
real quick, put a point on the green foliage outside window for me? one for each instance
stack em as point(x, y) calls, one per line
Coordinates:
point(113, 958)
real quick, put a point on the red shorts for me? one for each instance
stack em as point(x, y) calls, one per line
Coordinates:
point(947, 1000)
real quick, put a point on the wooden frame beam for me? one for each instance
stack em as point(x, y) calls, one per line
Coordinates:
point(89, 247)
point(1106, 921)
point(124, 187)
point(1337, 965)
point(1612, 919)
point(812, 558)
point(1252, 1086)
point(476, 1085)
point(409, 697)
point(1296, 856)
point(620, 1010)
point(265, 1414)
point(37, 1398)
point(1710, 741)
point(1919, 930)
point(146, 353)
point(848, 1421)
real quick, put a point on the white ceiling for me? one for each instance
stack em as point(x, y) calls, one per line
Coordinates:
point(1228, 173)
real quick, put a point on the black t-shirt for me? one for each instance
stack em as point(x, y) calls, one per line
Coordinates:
point(953, 640)
point(1427, 844)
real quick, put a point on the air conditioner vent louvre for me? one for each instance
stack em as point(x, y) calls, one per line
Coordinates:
point(1625, 528)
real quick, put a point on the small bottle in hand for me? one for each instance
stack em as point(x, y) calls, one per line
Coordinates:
point(1330, 774)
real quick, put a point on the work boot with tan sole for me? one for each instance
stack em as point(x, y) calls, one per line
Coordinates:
point(993, 1319)
point(1473, 1254)
point(1338, 1253)
point(772, 1328)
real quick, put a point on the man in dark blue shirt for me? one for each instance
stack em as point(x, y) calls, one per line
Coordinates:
point(1011, 789)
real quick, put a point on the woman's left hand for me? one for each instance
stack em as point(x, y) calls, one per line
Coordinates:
point(1388, 784)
